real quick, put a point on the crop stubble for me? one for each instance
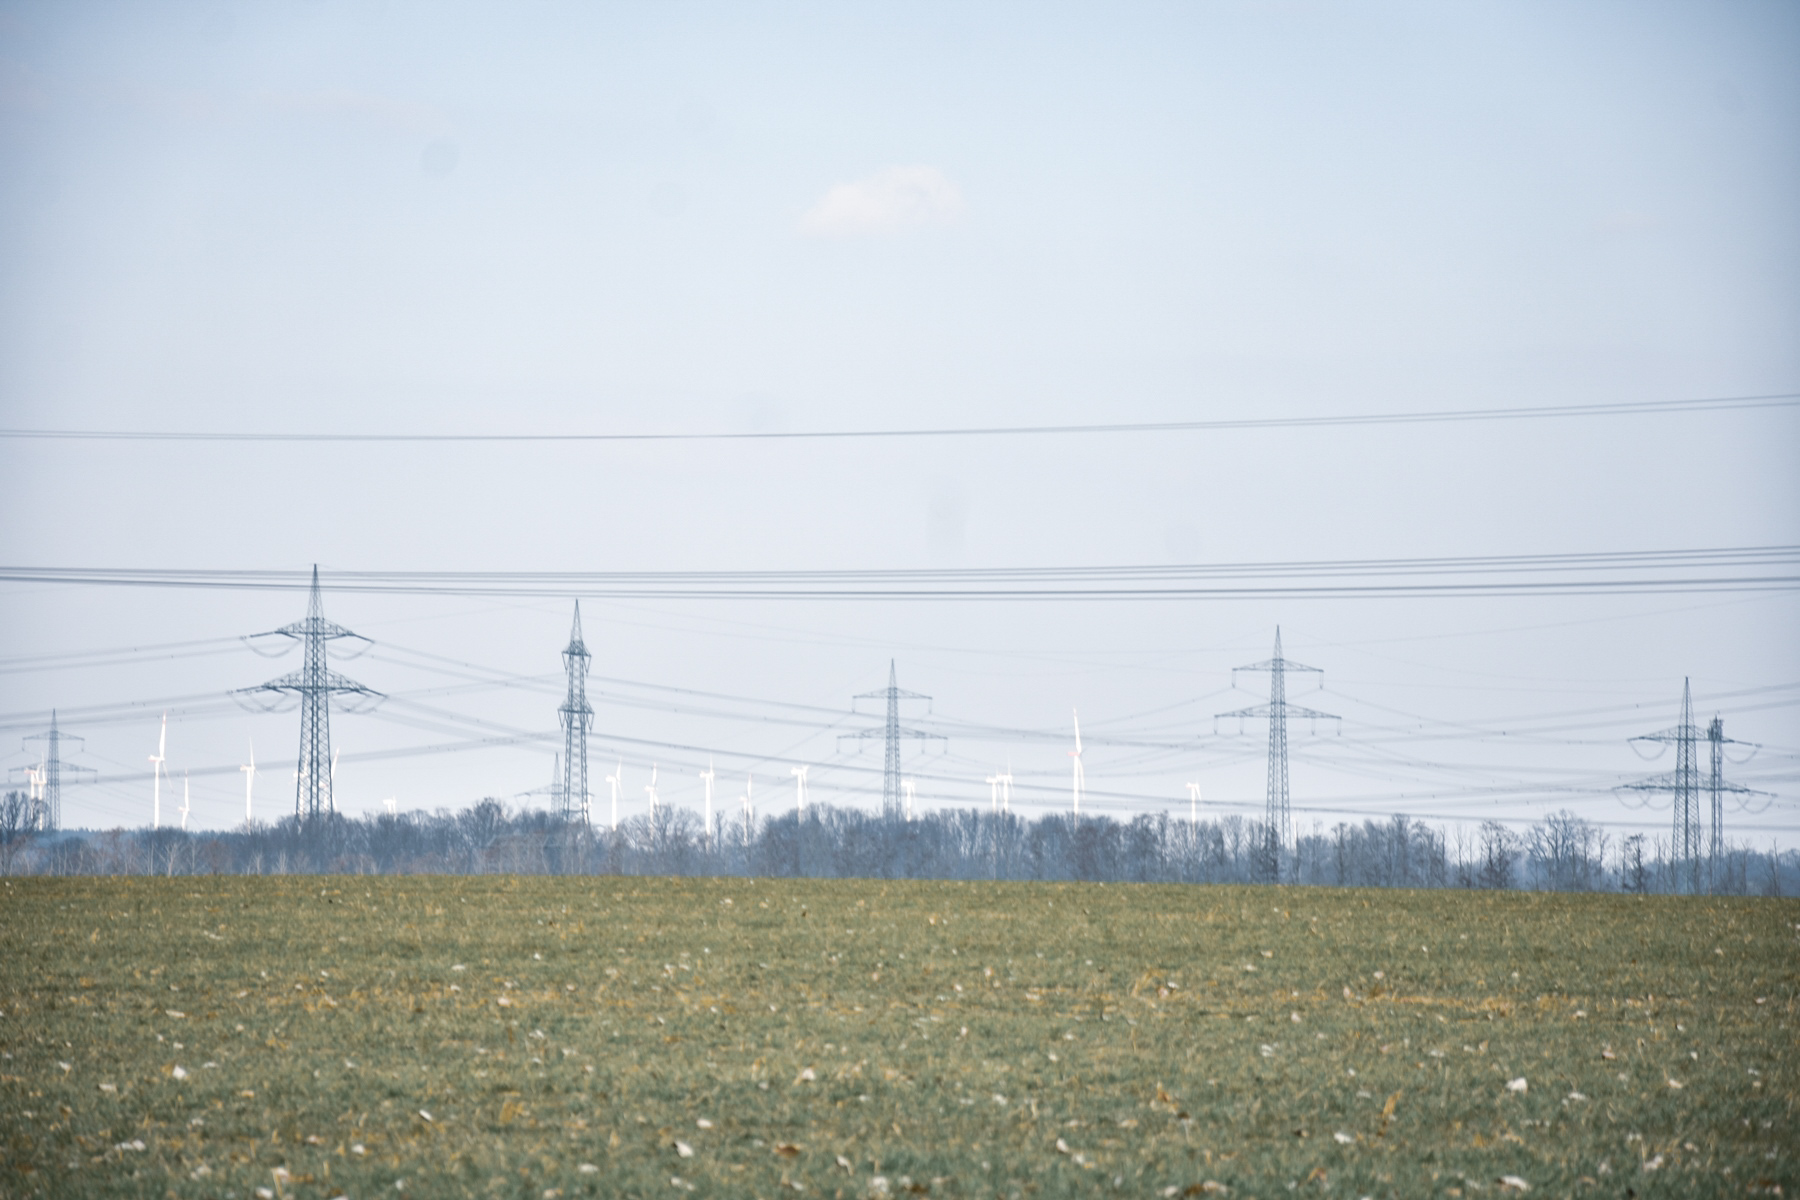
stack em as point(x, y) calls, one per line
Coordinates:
point(501, 1036)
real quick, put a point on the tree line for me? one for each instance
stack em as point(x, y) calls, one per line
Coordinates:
point(1562, 852)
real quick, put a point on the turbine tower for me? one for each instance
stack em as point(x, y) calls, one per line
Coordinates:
point(616, 781)
point(315, 684)
point(577, 719)
point(1080, 774)
point(47, 777)
point(249, 770)
point(891, 733)
point(156, 765)
point(707, 776)
point(799, 774)
point(1278, 835)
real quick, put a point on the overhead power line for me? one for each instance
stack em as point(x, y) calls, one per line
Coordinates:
point(1727, 569)
point(1425, 417)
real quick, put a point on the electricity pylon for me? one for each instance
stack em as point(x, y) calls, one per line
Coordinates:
point(891, 732)
point(315, 684)
point(47, 777)
point(1278, 825)
point(1683, 785)
point(1717, 786)
point(577, 719)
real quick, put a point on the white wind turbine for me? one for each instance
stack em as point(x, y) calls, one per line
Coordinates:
point(1080, 775)
point(38, 781)
point(993, 782)
point(1193, 804)
point(800, 789)
point(249, 771)
point(906, 785)
point(706, 826)
point(1006, 782)
point(615, 781)
point(749, 806)
point(184, 801)
point(650, 789)
point(393, 805)
point(156, 762)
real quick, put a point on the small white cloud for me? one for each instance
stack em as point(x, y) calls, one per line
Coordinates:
point(890, 201)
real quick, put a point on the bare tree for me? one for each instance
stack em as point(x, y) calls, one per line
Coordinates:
point(15, 828)
point(1498, 846)
point(1568, 853)
point(1634, 876)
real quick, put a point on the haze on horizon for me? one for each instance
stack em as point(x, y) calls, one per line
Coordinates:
point(434, 219)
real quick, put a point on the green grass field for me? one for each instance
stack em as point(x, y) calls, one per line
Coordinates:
point(491, 1036)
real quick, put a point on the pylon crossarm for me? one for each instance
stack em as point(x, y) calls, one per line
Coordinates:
point(884, 696)
point(299, 681)
point(1671, 735)
point(311, 628)
point(348, 686)
point(1269, 664)
point(1255, 710)
point(1291, 710)
point(902, 732)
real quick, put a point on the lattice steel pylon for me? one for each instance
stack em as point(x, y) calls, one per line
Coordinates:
point(47, 777)
point(1717, 786)
point(577, 718)
point(1683, 784)
point(1278, 834)
point(891, 732)
point(315, 684)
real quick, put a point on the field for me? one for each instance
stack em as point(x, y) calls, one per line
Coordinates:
point(610, 1036)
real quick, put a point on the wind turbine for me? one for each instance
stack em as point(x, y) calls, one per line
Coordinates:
point(749, 808)
point(1193, 804)
point(800, 788)
point(249, 780)
point(156, 762)
point(184, 801)
point(650, 788)
point(1080, 775)
point(707, 777)
point(37, 780)
point(906, 785)
point(993, 782)
point(616, 781)
point(1006, 782)
point(393, 805)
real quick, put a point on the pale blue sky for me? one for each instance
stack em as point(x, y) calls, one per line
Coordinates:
point(299, 216)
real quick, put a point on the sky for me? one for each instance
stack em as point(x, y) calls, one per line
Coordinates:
point(378, 218)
